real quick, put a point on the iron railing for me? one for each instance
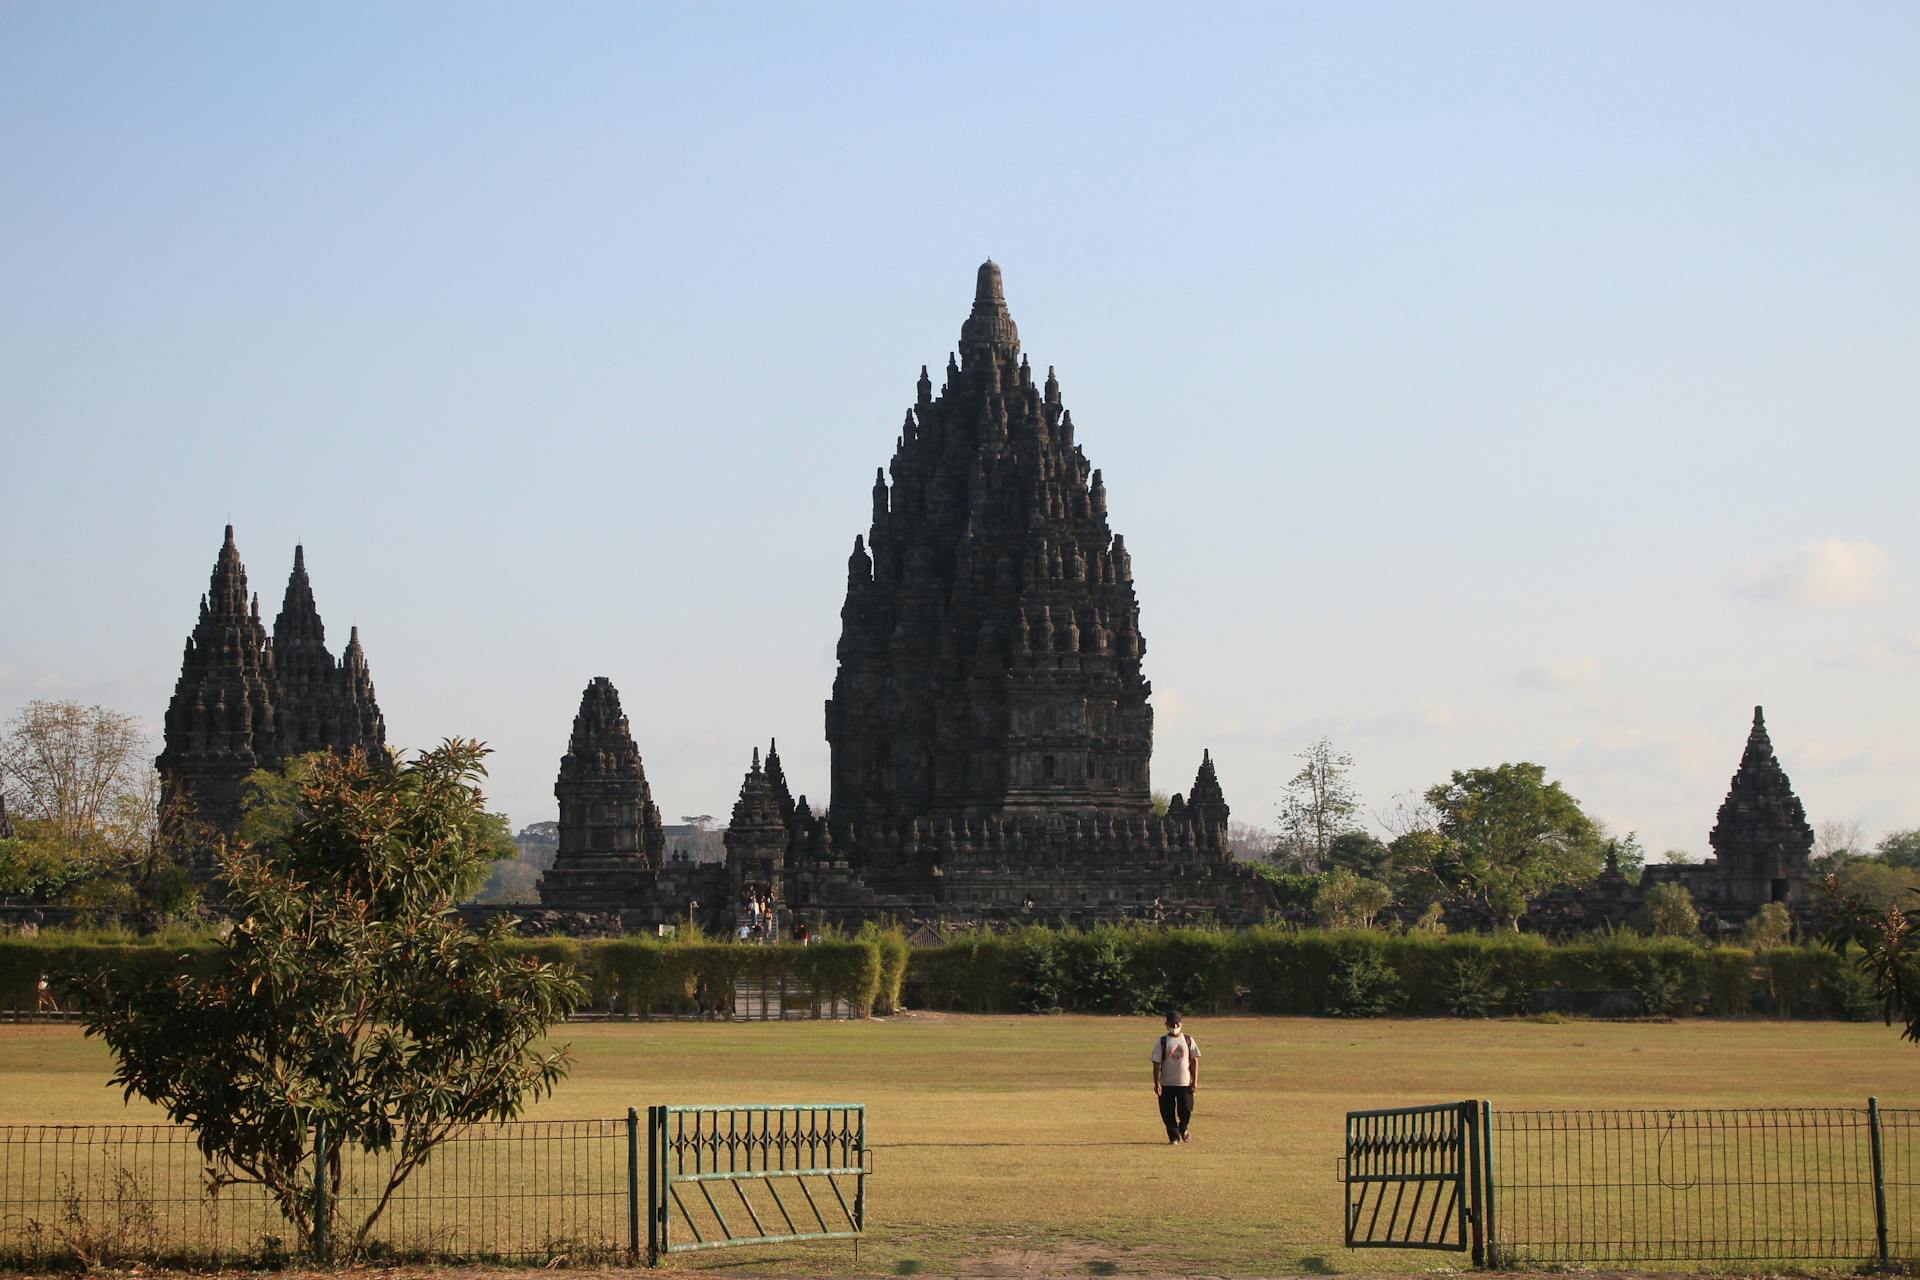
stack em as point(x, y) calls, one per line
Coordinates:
point(716, 1175)
point(1412, 1178)
point(1776, 1183)
point(1522, 1188)
point(530, 1190)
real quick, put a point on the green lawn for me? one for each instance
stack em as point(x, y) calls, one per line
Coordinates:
point(1003, 1139)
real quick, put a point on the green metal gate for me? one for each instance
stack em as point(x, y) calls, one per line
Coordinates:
point(716, 1175)
point(1415, 1179)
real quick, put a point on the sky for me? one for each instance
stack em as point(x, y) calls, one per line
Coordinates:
point(1472, 383)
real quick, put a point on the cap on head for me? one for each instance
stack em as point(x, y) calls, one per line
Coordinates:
point(1173, 1017)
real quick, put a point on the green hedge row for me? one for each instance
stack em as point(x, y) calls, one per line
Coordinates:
point(1126, 971)
point(623, 975)
point(1369, 973)
point(639, 976)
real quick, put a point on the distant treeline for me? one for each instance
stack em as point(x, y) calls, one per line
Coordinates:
point(1357, 973)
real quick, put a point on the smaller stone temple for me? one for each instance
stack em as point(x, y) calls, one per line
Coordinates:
point(248, 700)
point(1761, 843)
point(611, 839)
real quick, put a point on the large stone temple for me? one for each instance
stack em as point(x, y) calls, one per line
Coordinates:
point(990, 725)
point(247, 700)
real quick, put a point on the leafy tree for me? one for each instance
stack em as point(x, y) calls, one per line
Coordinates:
point(1293, 891)
point(1768, 928)
point(1319, 805)
point(36, 865)
point(1875, 883)
point(1361, 853)
point(1668, 912)
point(1502, 836)
point(348, 994)
point(1900, 849)
point(275, 802)
point(1345, 900)
point(1627, 855)
point(1885, 944)
point(89, 827)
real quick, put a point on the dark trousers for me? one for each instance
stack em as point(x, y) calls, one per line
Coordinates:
point(1176, 1108)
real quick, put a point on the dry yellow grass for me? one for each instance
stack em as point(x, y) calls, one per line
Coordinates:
point(1006, 1137)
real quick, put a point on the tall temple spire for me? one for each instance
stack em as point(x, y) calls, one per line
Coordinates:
point(244, 703)
point(323, 705)
point(990, 663)
point(756, 839)
point(989, 336)
point(777, 779)
point(304, 665)
point(1761, 839)
point(221, 723)
point(611, 836)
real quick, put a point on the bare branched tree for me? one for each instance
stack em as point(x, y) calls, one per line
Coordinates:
point(1408, 814)
point(1319, 805)
point(1834, 839)
point(67, 764)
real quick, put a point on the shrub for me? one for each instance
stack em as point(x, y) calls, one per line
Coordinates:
point(1363, 986)
point(1469, 990)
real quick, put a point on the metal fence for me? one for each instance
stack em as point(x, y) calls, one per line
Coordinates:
point(1770, 1184)
point(529, 1191)
point(715, 1175)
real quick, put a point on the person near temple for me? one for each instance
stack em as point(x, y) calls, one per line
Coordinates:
point(1176, 1074)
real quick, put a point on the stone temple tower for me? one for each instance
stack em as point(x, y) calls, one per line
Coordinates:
point(757, 838)
point(611, 837)
point(246, 702)
point(990, 648)
point(224, 721)
point(1761, 839)
point(324, 705)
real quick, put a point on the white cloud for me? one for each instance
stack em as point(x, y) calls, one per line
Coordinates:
point(1561, 674)
point(1889, 653)
point(1693, 753)
point(1824, 573)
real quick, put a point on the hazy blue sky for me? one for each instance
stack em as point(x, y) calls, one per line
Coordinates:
point(1472, 382)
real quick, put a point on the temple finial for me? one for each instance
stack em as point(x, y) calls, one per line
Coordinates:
point(987, 285)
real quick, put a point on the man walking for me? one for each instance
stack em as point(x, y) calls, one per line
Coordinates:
point(1176, 1073)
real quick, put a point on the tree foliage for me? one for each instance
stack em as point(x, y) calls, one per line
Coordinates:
point(1768, 928)
point(1348, 901)
point(1900, 849)
point(1668, 912)
point(89, 830)
point(1501, 836)
point(1885, 941)
point(348, 994)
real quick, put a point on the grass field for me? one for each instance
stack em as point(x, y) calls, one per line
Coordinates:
point(1002, 1139)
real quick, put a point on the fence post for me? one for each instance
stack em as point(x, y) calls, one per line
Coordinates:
point(633, 1183)
point(1470, 1158)
point(320, 1188)
point(860, 1184)
point(1486, 1159)
point(1879, 1180)
point(654, 1216)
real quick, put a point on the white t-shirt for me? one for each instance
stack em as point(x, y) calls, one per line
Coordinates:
point(1175, 1056)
